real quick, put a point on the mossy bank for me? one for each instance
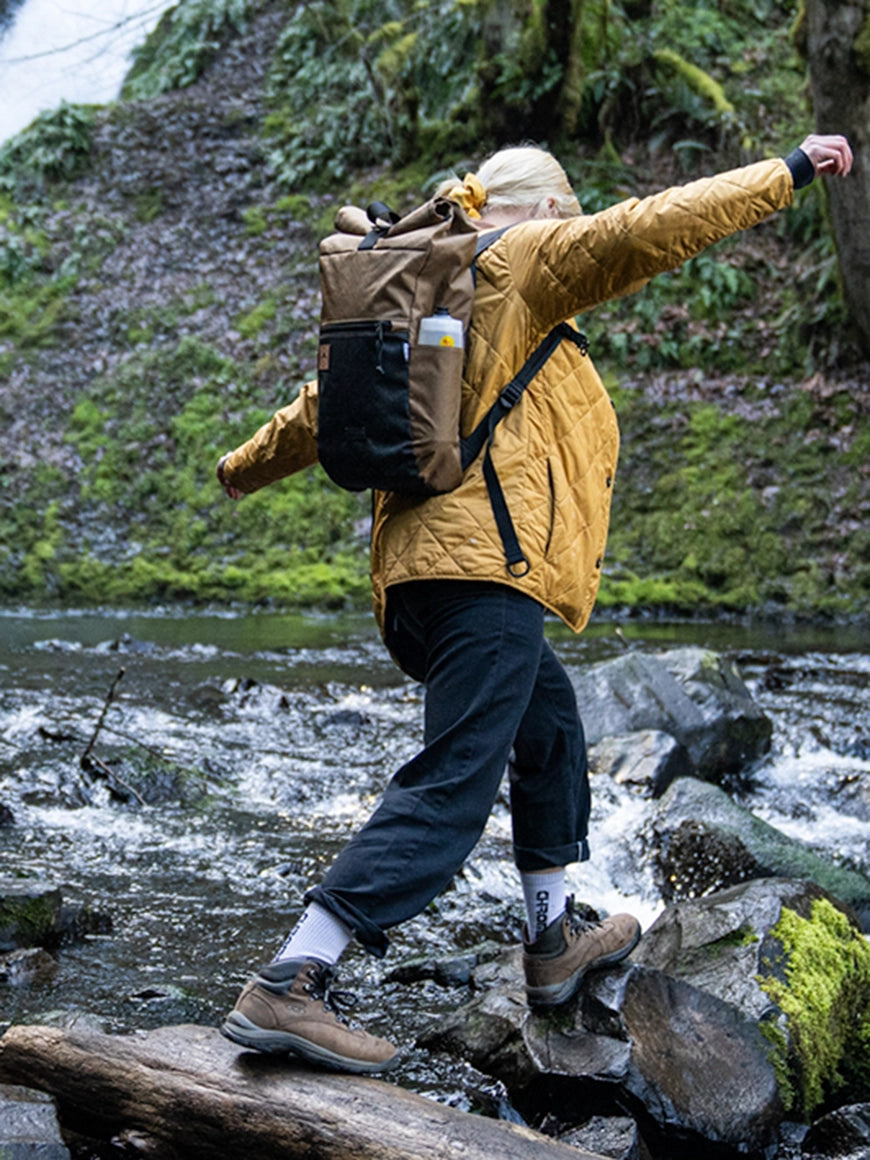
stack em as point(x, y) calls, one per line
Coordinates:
point(158, 301)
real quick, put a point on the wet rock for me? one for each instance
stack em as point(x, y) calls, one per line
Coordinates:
point(789, 956)
point(702, 840)
point(250, 694)
point(852, 796)
point(7, 818)
point(695, 1070)
point(696, 696)
point(703, 1033)
point(33, 914)
point(789, 1140)
point(715, 942)
point(843, 1134)
point(29, 913)
point(208, 698)
point(447, 970)
point(29, 1128)
point(26, 966)
point(346, 719)
point(131, 1142)
point(128, 645)
point(615, 1136)
point(649, 759)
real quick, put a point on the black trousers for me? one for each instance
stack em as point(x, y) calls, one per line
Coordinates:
point(496, 695)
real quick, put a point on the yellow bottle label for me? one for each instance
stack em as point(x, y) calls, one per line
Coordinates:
point(447, 340)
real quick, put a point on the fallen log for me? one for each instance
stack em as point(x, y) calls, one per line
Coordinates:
point(185, 1092)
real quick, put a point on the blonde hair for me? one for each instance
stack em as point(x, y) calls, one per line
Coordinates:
point(520, 176)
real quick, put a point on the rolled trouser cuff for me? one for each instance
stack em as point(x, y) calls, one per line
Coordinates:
point(366, 932)
point(528, 861)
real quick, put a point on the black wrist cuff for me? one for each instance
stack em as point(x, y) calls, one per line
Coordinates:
point(802, 169)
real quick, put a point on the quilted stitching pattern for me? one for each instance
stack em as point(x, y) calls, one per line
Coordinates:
point(556, 452)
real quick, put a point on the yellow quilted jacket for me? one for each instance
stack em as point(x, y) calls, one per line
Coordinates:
point(556, 451)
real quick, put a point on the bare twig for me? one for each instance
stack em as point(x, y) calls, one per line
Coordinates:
point(99, 726)
point(161, 754)
point(117, 786)
point(108, 30)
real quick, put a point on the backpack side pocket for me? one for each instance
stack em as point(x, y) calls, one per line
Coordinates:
point(364, 423)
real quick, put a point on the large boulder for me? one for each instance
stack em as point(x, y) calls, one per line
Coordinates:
point(701, 840)
point(695, 695)
point(735, 1011)
point(789, 956)
point(689, 1067)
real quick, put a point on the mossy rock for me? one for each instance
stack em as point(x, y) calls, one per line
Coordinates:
point(702, 840)
point(29, 913)
point(790, 958)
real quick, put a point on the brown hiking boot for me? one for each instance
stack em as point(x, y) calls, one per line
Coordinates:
point(289, 1008)
point(570, 946)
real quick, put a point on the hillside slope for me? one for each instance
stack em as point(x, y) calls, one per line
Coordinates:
point(162, 303)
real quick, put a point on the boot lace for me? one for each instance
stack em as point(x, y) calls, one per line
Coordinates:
point(319, 986)
point(577, 923)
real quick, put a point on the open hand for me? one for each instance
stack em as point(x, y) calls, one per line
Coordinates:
point(830, 155)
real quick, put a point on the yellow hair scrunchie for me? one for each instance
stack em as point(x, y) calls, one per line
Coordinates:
point(471, 195)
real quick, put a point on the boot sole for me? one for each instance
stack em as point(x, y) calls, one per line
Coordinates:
point(555, 994)
point(241, 1030)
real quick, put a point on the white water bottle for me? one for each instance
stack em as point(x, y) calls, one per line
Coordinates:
point(440, 329)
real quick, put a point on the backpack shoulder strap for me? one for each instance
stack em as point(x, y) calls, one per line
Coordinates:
point(484, 432)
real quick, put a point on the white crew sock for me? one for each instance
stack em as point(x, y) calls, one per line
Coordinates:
point(544, 892)
point(318, 934)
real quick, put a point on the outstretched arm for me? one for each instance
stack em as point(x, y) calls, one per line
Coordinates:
point(283, 446)
point(569, 266)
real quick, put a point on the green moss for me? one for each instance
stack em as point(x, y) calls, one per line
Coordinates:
point(699, 82)
point(296, 206)
point(249, 325)
point(151, 520)
point(256, 221)
point(29, 315)
point(744, 936)
point(779, 1058)
point(719, 509)
point(821, 983)
point(149, 205)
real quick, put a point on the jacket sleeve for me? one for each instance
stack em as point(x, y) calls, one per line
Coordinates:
point(283, 446)
point(572, 265)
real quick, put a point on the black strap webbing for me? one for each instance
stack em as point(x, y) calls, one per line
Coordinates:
point(484, 432)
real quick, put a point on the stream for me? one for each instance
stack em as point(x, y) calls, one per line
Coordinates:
point(245, 749)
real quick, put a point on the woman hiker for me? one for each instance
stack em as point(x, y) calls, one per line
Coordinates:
point(454, 617)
